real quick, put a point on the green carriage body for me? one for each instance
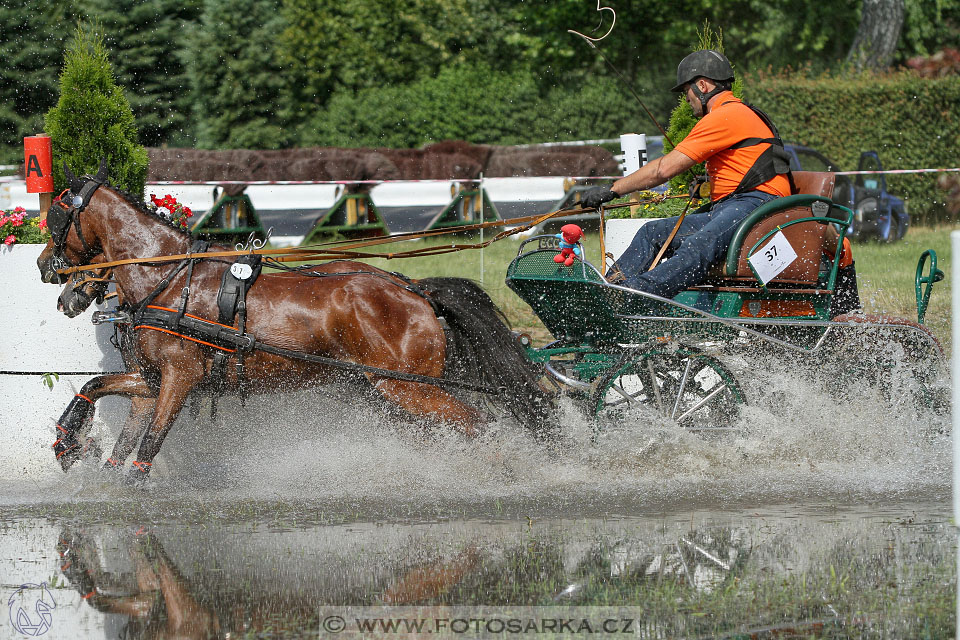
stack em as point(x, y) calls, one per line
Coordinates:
point(605, 333)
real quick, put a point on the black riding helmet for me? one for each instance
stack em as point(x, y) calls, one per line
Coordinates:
point(706, 63)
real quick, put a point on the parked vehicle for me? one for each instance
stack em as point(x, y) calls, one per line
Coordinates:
point(877, 214)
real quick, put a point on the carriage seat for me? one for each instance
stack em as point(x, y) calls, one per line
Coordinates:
point(807, 239)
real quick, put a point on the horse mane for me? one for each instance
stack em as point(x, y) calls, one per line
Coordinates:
point(142, 207)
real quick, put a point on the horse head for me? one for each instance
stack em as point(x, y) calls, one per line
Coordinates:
point(65, 248)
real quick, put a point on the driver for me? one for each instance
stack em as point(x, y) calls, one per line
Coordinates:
point(746, 166)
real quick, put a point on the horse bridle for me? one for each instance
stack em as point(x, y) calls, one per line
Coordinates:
point(65, 211)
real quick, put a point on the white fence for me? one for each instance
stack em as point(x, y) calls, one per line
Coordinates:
point(35, 339)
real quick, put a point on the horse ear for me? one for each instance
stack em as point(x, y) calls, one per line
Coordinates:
point(103, 170)
point(74, 183)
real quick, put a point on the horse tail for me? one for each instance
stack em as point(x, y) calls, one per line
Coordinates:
point(486, 351)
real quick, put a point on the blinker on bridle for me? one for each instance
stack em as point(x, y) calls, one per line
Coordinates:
point(66, 209)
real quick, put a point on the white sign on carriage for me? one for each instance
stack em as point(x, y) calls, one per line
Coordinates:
point(772, 258)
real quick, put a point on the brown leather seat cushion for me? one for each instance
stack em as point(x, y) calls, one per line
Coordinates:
point(807, 239)
point(818, 183)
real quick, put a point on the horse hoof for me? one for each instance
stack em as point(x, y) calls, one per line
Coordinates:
point(112, 466)
point(91, 450)
point(67, 451)
point(135, 479)
point(138, 474)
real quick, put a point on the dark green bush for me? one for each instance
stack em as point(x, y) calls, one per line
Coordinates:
point(93, 120)
point(912, 122)
point(473, 103)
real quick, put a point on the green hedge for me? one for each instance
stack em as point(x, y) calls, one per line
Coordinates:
point(476, 104)
point(912, 122)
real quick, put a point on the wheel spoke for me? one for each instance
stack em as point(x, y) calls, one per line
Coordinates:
point(702, 402)
point(705, 394)
point(656, 387)
point(683, 383)
point(630, 398)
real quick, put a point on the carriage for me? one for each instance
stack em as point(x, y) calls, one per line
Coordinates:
point(685, 358)
point(204, 324)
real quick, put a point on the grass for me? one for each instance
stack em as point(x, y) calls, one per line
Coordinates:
point(885, 272)
point(886, 275)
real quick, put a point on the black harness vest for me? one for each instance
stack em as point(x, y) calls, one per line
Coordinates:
point(772, 162)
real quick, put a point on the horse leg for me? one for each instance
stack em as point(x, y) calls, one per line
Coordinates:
point(175, 386)
point(78, 416)
point(428, 401)
point(141, 409)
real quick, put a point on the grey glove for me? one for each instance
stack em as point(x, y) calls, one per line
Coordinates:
point(595, 197)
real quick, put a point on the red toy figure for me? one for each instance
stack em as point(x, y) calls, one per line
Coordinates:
point(569, 235)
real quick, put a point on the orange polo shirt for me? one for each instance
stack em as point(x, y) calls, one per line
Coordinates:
point(729, 122)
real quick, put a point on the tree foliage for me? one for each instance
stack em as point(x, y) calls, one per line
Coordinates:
point(472, 103)
point(357, 44)
point(31, 50)
point(238, 86)
point(911, 122)
point(92, 119)
point(145, 39)
point(255, 73)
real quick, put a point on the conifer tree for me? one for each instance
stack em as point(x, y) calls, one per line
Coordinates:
point(31, 51)
point(144, 39)
point(238, 85)
point(93, 119)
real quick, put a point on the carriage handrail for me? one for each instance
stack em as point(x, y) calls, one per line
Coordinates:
point(933, 275)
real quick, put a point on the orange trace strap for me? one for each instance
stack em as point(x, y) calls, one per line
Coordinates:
point(180, 335)
point(189, 315)
point(90, 595)
point(80, 395)
point(73, 446)
point(142, 466)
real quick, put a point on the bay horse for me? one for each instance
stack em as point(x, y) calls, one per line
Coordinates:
point(348, 312)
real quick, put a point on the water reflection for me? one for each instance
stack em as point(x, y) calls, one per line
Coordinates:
point(809, 569)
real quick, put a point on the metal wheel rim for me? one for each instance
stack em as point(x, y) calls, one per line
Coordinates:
point(694, 390)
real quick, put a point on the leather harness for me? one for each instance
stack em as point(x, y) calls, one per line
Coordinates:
point(230, 340)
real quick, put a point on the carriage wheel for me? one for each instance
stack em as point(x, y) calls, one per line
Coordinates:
point(691, 388)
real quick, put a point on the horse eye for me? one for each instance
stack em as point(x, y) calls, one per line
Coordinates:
point(77, 201)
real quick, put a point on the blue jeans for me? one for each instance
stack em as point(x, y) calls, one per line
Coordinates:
point(702, 240)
